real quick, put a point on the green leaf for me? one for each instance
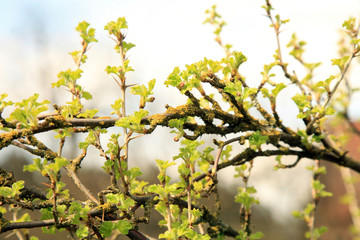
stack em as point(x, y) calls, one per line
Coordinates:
point(86, 95)
point(17, 186)
point(174, 78)
point(350, 24)
point(257, 139)
point(115, 28)
point(87, 34)
point(124, 203)
point(28, 110)
point(297, 47)
point(163, 165)
point(144, 92)
point(30, 168)
point(88, 113)
point(68, 78)
point(76, 55)
point(37, 166)
point(239, 59)
point(112, 198)
point(3, 103)
point(78, 213)
point(340, 62)
point(244, 196)
point(297, 214)
point(133, 121)
point(330, 111)
point(266, 93)
point(123, 226)
point(58, 164)
point(82, 231)
point(113, 70)
point(277, 17)
point(215, 66)
point(133, 173)
point(301, 101)
point(106, 229)
point(277, 89)
point(257, 235)
point(233, 62)
point(117, 106)
point(6, 192)
point(266, 73)
point(127, 46)
point(72, 108)
point(309, 209)
point(316, 233)
point(198, 186)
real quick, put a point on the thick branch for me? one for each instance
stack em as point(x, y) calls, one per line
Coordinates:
point(30, 224)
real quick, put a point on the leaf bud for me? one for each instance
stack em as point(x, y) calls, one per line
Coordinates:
point(181, 85)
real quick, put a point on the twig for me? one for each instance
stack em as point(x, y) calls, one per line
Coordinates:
point(350, 190)
point(343, 76)
point(29, 224)
point(217, 158)
point(293, 164)
point(311, 221)
point(81, 186)
point(61, 145)
point(292, 78)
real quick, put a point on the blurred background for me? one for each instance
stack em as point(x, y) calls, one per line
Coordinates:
point(36, 37)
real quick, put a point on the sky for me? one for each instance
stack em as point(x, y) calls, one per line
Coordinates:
point(36, 36)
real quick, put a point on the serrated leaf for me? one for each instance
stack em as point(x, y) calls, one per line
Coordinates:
point(82, 231)
point(106, 229)
point(86, 95)
point(117, 107)
point(115, 27)
point(340, 62)
point(350, 24)
point(257, 139)
point(277, 89)
point(301, 101)
point(123, 226)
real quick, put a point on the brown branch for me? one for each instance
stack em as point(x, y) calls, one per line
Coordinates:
point(313, 153)
point(133, 234)
point(52, 123)
point(81, 186)
point(235, 124)
point(217, 158)
point(99, 211)
point(29, 224)
point(136, 235)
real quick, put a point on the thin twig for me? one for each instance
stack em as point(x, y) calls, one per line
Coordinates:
point(217, 158)
point(350, 190)
point(81, 186)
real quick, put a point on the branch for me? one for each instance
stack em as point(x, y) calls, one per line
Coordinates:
point(81, 186)
point(29, 224)
point(133, 234)
point(222, 145)
point(136, 235)
point(52, 123)
point(99, 211)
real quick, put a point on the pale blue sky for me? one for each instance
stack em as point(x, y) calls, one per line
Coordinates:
point(35, 36)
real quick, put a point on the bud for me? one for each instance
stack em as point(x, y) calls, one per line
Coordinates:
point(181, 85)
